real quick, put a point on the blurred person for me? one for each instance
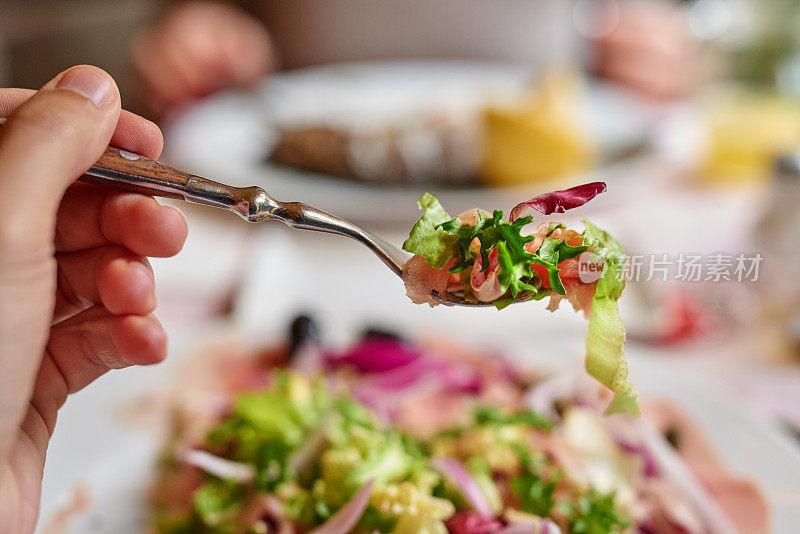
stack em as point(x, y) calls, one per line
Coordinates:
point(41, 37)
point(199, 47)
point(648, 47)
point(76, 289)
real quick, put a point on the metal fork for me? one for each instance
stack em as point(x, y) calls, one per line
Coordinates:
point(125, 170)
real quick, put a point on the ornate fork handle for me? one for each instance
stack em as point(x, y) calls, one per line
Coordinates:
point(125, 170)
point(132, 172)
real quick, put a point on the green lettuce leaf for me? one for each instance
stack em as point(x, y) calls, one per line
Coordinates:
point(595, 513)
point(516, 272)
point(218, 502)
point(464, 235)
point(491, 415)
point(535, 494)
point(612, 282)
point(605, 337)
point(548, 257)
point(438, 239)
point(566, 252)
point(605, 360)
point(435, 245)
point(512, 273)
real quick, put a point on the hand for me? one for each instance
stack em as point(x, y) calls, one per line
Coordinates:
point(199, 48)
point(648, 48)
point(76, 291)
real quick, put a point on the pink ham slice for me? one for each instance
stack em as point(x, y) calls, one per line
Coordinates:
point(741, 500)
point(541, 232)
point(421, 279)
point(471, 217)
point(580, 295)
point(486, 285)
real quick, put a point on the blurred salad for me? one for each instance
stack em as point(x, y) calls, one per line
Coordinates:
point(394, 437)
point(487, 259)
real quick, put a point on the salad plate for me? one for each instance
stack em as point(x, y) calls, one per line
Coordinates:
point(229, 136)
point(748, 445)
point(114, 495)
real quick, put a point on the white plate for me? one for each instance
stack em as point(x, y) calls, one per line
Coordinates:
point(117, 485)
point(227, 137)
point(748, 445)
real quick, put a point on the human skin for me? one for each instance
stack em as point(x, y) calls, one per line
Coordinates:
point(76, 289)
point(651, 51)
point(200, 47)
point(197, 48)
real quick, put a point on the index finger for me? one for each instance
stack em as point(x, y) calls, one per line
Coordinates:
point(133, 133)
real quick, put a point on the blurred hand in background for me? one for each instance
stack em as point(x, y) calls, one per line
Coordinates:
point(76, 289)
point(201, 46)
point(647, 47)
point(198, 48)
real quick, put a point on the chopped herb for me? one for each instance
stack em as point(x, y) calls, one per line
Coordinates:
point(488, 415)
point(595, 513)
point(217, 501)
point(535, 494)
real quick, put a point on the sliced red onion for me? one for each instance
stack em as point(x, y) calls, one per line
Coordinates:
point(392, 365)
point(545, 526)
point(559, 201)
point(377, 355)
point(520, 528)
point(302, 458)
point(271, 507)
point(343, 521)
point(455, 376)
point(385, 392)
point(383, 404)
point(219, 467)
point(448, 375)
point(650, 468)
point(456, 473)
point(386, 403)
point(398, 378)
point(548, 527)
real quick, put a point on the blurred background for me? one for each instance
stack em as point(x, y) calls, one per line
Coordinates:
point(690, 112)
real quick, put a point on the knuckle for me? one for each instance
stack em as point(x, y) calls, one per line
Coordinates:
point(57, 114)
point(22, 238)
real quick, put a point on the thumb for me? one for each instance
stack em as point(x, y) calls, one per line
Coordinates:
point(48, 142)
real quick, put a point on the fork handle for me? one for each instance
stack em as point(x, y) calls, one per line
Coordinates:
point(137, 174)
point(132, 172)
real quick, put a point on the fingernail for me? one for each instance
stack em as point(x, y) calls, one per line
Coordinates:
point(94, 84)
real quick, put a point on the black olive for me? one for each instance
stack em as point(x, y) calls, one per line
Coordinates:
point(302, 330)
point(673, 436)
point(373, 332)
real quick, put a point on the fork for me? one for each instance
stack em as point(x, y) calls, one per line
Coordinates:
point(132, 172)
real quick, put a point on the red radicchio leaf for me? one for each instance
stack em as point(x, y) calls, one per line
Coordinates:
point(471, 522)
point(377, 355)
point(385, 392)
point(559, 201)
